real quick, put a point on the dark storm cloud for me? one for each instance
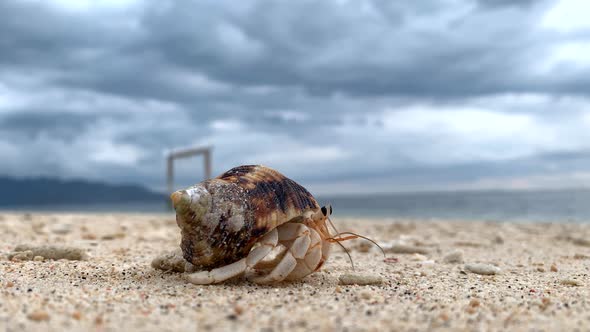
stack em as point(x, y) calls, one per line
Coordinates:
point(315, 46)
point(327, 91)
point(326, 47)
point(36, 34)
point(35, 123)
point(361, 48)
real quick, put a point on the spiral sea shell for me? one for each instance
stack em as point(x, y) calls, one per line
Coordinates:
point(221, 219)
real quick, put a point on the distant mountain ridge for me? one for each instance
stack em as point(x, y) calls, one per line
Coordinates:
point(50, 191)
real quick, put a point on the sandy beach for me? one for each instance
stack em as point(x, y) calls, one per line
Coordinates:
point(535, 277)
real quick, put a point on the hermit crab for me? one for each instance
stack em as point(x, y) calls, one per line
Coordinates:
point(252, 220)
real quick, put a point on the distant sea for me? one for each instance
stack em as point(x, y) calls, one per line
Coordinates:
point(548, 205)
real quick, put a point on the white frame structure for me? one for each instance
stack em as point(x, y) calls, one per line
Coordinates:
point(186, 153)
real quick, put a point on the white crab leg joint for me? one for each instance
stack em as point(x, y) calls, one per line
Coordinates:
point(219, 274)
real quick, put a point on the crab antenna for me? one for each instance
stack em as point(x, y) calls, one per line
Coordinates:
point(332, 224)
point(347, 253)
point(363, 237)
point(336, 240)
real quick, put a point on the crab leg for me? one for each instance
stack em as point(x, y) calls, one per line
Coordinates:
point(298, 235)
point(312, 258)
point(219, 274)
point(267, 243)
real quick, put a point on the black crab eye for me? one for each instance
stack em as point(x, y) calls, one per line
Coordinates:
point(330, 209)
point(324, 211)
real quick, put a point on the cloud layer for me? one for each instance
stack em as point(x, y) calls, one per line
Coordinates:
point(344, 96)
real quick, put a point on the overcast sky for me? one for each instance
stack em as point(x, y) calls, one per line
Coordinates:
point(342, 96)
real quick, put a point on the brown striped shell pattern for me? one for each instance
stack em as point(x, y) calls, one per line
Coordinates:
point(251, 220)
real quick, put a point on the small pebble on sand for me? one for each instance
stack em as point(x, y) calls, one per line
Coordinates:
point(545, 302)
point(581, 242)
point(483, 269)
point(38, 316)
point(498, 239)
point(366, 294)
point(238, 310)
point(359, 279)
point(27, 252)
point(61, 229)
point(553, 268)
point(400, 248)
point(454, 257)
point(363, 246)
point(473, 244)
point(419, 257)
point(570, 282)
point(113, 236)
point(391, 260)
point(26, 255)
point(170, 261)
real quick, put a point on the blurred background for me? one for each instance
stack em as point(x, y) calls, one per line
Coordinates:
point(438, 109)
